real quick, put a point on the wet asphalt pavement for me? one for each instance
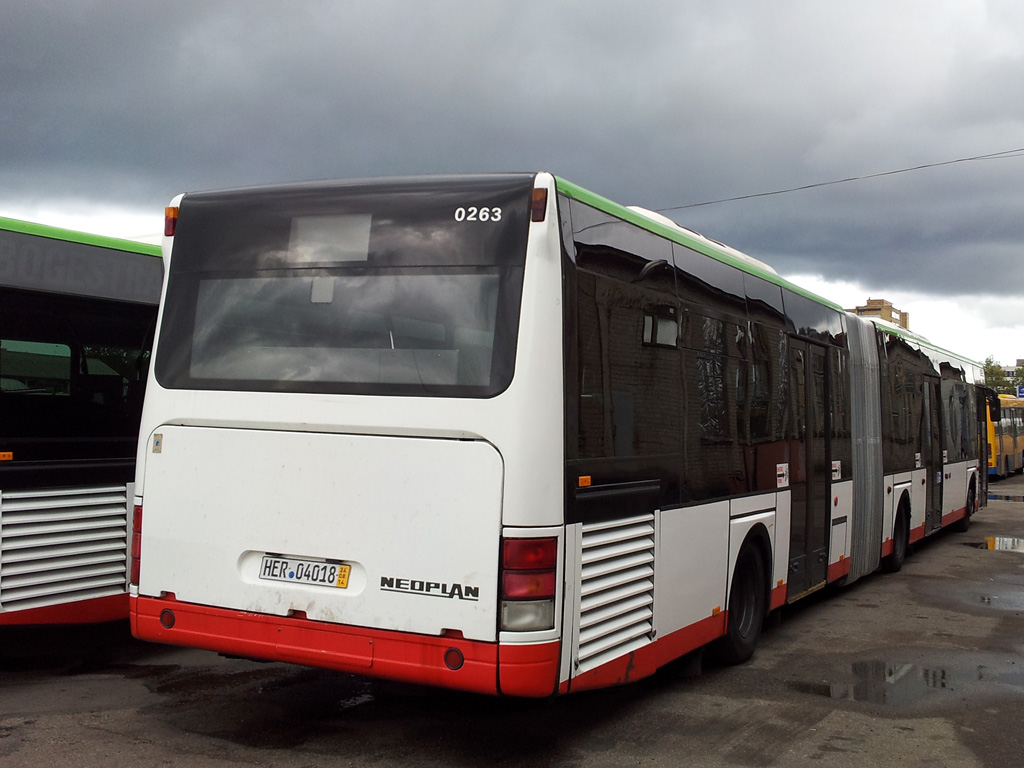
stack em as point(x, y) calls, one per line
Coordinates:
point(919, 668)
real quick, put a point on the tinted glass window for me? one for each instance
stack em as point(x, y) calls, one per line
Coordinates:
point(813, 320)
point(960, 421)
point(706, 279)
point(842, 437)
point(768, 386)
point(902, 372)
point(619, 249)
point(764, 299)
point(390, 288)
point(628, 388)
point(431, 329)
point(72, 373)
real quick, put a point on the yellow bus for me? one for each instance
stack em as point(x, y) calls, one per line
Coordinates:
point(1006, 437)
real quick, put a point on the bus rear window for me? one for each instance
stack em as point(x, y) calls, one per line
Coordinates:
point(364, 289)
point(409, 329)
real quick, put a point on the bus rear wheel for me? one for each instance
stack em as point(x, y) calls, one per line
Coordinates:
point(961, 525)
point(746, 607)
point(900, 541)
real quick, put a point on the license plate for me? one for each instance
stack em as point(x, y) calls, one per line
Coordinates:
point(298, 571)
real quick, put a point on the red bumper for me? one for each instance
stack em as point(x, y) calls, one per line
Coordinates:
point(517, 670)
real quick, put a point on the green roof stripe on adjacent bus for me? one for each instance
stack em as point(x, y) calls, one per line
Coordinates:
point(622, 212)
point(69, 235)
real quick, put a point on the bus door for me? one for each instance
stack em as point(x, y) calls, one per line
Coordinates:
point(931, 453)
point(809, 468)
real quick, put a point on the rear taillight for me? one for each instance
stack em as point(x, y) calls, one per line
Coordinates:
point(528, 580)
point(170, 220)
point(539, 204)
point(136, 545)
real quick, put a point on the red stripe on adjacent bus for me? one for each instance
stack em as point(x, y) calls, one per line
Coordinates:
point(526, 670)
point(95, 611)
point(643, 662)
point(916, 534)
point(887, 546)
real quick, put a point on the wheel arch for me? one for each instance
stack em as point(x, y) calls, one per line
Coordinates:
point(906, 504)
point(759, 538)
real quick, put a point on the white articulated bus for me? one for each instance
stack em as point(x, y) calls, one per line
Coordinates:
point(77, 315)
point(497, 433)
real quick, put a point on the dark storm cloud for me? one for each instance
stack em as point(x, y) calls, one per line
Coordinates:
point(658, 104)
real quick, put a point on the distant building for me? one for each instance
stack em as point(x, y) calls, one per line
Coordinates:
point(885, 310)
point(1009, 371)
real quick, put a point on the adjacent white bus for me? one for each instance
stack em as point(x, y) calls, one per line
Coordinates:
point(77, 315)
point(497, 433)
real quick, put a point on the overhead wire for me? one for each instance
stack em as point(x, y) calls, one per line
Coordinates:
point(1008, 153)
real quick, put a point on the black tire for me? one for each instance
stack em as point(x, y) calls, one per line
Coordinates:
point(964, 523)
point(746, 607)
point(900, 541)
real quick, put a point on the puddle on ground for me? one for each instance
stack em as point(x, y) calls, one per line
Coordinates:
point(903, 684)
point(1005, 497)
point(1001, 543)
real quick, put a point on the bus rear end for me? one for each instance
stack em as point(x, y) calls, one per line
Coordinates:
point(351, 451)
point(77, 313)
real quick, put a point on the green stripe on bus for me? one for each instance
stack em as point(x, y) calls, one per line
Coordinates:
point(621, 212)
point(71, 236)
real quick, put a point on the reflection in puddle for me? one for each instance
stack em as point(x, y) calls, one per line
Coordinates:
point(1002, 543)
point(901, 685)
point(877, 682)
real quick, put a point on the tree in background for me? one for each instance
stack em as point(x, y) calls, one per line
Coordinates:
point(996, 379)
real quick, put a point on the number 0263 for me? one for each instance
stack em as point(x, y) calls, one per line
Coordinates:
point(476, 213)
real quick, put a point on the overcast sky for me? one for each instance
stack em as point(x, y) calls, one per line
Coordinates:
point(109, 108)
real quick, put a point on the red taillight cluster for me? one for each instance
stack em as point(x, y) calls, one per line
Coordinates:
point(528, 568)
point(136, 545)
point(528, 580)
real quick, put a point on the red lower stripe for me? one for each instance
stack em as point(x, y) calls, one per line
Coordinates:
point(838, 570)
point(95, 611)
point(953, 516)
point(645, 661)
point(778, 597)
point(524, 670)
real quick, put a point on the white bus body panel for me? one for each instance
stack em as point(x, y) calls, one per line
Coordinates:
point(633, 581)
point(693, 566)
point(422, 516)
point(841, 522)
point(783, 526)
point(904, 483)
point(918, 497)
point(954, 490)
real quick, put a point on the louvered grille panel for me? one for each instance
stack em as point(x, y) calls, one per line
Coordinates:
point(617, 589)
point(62, 544)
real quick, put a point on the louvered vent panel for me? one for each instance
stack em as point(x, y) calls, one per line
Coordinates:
point(62, 544)
point(617, 590)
